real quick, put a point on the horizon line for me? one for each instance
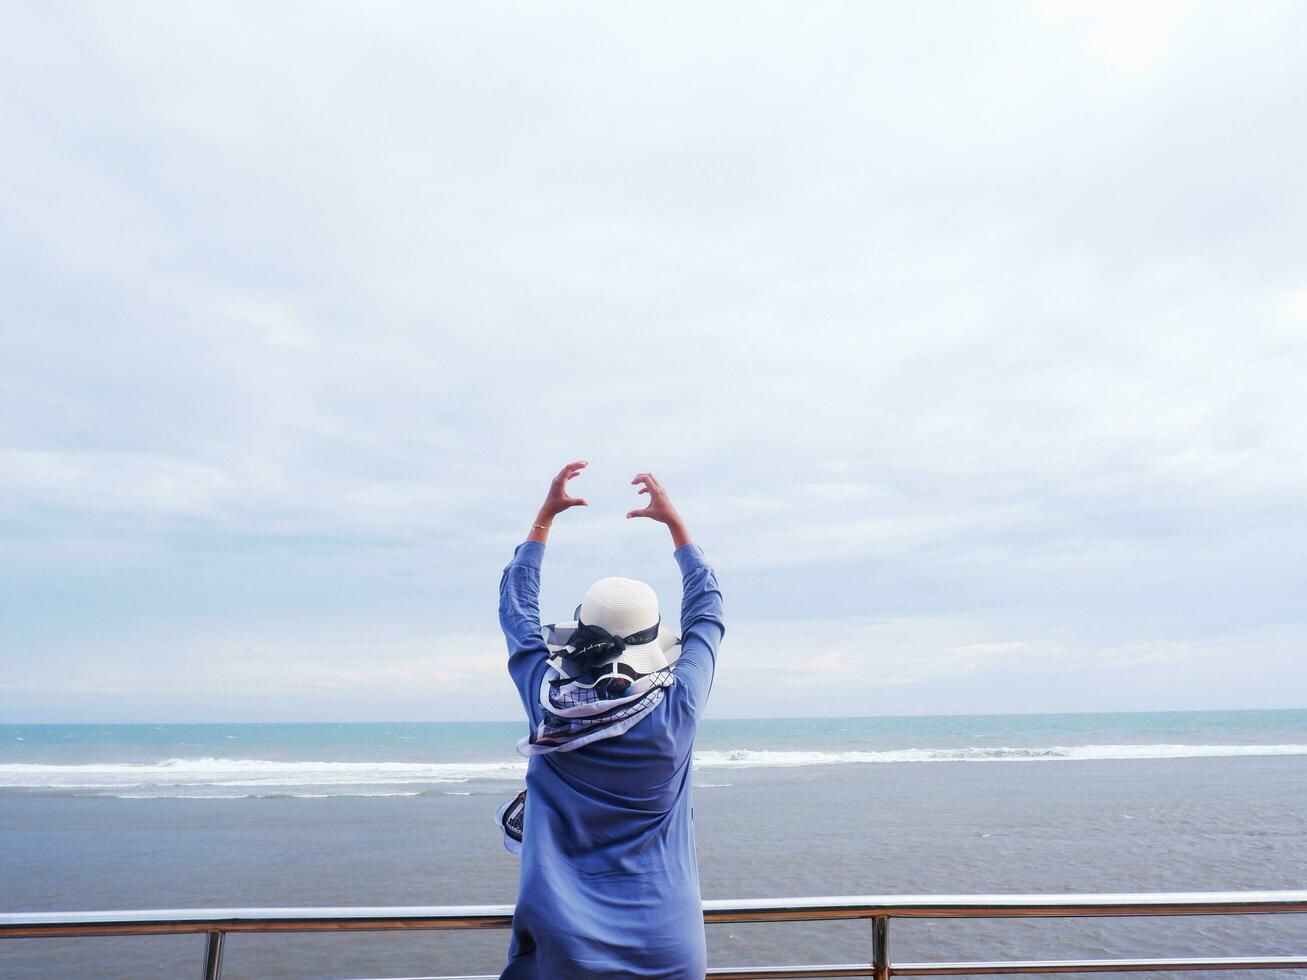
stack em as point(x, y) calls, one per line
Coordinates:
point(508, 721)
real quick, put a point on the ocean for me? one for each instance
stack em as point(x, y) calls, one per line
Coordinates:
point(218, 815)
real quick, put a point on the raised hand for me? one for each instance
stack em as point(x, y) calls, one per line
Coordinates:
point(557, 500)
point(660, 508)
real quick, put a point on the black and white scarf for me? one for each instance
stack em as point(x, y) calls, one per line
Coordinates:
point(582, 701)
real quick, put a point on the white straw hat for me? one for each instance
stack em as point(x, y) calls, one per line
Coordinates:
point(625, 607)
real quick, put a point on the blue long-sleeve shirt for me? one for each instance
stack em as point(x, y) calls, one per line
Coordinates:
point(610, 880)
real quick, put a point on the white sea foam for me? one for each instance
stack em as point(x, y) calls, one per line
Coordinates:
point(180, 773)
point(182, 778)
point(763, 758)
point(249, 796)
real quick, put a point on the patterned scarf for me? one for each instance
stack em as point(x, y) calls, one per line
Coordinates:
point(583, 703)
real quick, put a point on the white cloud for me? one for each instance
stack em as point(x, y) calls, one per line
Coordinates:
point(990, 316)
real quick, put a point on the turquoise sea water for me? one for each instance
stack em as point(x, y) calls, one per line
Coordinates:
point(196, 761)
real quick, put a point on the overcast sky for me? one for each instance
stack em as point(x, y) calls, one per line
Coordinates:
point(970, 340)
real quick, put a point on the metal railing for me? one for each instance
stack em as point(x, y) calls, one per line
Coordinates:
point(216, 924)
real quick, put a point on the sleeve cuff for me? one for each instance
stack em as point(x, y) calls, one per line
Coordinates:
point(529, 553)
point(688, 557)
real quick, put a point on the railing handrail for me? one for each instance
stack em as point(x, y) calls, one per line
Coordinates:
point(365, 918)
point(216, 924)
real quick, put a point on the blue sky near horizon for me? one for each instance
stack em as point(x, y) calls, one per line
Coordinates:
point(970, 341)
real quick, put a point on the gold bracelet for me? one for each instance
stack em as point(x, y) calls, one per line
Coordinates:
point(543, 527)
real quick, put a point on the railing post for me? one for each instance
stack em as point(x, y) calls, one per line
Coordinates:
point(880, 947)
point(213, 956)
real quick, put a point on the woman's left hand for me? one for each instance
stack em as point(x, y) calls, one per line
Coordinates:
point(558, 499)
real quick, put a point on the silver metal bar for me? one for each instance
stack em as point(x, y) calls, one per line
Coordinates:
point(730, 973)
point(1102, 966)
point(955, 969)
point(1004, 906)
point(213, 956)
point(789, 972)
point(171, 921)
point(880, 964)
point(161, 922)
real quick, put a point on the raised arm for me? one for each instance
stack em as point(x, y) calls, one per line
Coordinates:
point(519, 596)
point(702, 626)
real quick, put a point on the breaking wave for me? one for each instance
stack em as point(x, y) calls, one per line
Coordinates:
point(763, 758)
point(206, 778)
point(250, 773)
